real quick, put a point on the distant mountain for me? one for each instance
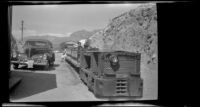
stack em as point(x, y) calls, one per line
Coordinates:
point(75, 36)
point(82, 34)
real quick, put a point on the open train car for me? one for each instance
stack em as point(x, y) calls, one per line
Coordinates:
point(71, 49)
point(109, 73)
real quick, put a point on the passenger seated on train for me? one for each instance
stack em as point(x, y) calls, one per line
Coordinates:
point(63, 56)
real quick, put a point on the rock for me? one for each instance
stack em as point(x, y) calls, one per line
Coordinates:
point(134, 31)
point(97, 40)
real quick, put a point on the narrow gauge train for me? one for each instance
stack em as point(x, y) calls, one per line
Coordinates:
point(108, 73)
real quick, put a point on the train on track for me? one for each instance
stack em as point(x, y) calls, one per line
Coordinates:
point(107, 73)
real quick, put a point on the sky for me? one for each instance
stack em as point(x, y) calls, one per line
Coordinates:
point(62, 20)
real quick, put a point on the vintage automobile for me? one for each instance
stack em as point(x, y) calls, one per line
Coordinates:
point(35, 52)
point(109, 73)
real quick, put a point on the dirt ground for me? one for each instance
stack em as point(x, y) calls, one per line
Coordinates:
point(62, 83)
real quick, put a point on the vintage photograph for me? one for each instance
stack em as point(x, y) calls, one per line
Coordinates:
point(83, 52)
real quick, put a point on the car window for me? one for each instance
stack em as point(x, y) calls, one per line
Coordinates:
point(37, 43)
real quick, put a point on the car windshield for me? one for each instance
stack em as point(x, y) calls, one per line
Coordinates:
point(38, 51)
point(37, 43)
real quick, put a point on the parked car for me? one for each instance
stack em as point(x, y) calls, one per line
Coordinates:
point(36, 52)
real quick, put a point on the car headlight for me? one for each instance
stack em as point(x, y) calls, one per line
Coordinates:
point(45, 57)
point(14, 54)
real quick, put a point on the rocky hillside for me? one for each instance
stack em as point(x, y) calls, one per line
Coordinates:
point(134, 31)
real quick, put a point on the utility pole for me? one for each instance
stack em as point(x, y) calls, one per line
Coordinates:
point(22, 29)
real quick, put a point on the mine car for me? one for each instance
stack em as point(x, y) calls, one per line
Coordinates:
point(35, 52)
point(71, 49)
point(109, 73)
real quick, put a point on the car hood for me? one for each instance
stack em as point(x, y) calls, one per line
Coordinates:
point(37, 56)
point(22, 56)
point(37, 52)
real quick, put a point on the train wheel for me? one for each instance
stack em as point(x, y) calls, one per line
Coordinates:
point(86, 79)
point(78, 70)
point(89, 82)
point(82, 76)
point(91, 86)
point(95, 91)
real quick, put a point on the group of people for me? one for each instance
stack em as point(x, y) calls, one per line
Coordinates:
point(84, 44)
point(63, 56)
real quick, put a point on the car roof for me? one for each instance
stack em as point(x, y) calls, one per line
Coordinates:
point(43, 40)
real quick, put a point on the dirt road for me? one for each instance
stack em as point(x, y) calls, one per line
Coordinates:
point(60, 83)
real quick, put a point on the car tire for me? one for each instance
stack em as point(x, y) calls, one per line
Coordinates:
point(47, 66)
point(53, 56)
point(15, 66)
point(51, 64)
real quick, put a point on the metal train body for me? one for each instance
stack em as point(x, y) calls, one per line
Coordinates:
point(109, 73)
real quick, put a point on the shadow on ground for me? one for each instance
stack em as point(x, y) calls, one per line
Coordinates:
point(41, 68)
point(32, 83)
